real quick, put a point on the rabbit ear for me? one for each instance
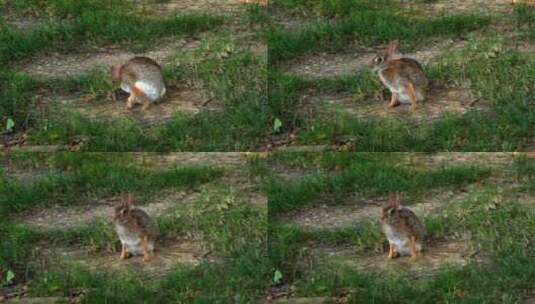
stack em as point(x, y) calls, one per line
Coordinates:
point(116, 72)
point(130, 200)
point(394, 200)
point(397, 199)
point(124, 202)
point(392, 47)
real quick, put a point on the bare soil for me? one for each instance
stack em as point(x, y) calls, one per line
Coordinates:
point(168, 254)
point(434, 257)
point(451, 7)
point(495, 159)
point(349, 63)
point(439, 102)
point(156, 161)
point(174, 7)
point(12, 171)
point(348, 215)
point(177, 100)
point(56, 65)
point(64, 217)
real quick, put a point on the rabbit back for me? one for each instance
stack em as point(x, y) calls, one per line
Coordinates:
point(146, 75)
point(395, 74)
point(401, 226)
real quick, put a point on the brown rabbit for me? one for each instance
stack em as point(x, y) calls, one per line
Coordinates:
point(136, 230)
point(142, 78)
point(404, 77)
point(404, 231)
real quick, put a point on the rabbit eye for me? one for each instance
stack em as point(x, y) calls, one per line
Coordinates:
point(378, 59)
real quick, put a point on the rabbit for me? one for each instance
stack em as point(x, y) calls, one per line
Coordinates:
point(142, 78)
point(404, 231)
point(404, 77)
point(135, 229)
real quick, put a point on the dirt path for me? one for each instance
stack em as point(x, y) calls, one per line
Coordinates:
point(494, 159)
point(64, 217)
point(244, 187)
point(167, 256)
point(157, 161)
point(451, 7)
point(349, 63)
point(357, 209)
point(439, 102)
point(68, 65)
point(189, 101)
point(347, 215)
point(174, 7)
point(434, 257)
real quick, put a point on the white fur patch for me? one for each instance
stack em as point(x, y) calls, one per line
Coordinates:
point(400, 242)
point(125, 87)
point(398, 89)
point(131, 241)
point(151, 91)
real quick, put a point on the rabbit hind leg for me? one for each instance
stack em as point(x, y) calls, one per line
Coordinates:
point(124, 252)
point(411, 92)
point(141, 97)
point(392, 252)
point(145, 247)
point(413, 249)
point(394, 100)
point(131, 100)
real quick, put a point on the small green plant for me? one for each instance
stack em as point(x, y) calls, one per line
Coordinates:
point(277, 277)
point(277, 125)
point(10, 124)
point(8, 278)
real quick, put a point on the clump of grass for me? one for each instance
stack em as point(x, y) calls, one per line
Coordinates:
point(285, 90)
point(506, 245)
point(330, 8)
point(524, 169)
point(99, 27)
point(16, 99)
point(239, 126)
point(235, 234)
point(524, 15)
point(85, 173)
point(493, 75)
point(369, 28)
point(369, 178)
point(77, 25)
point(91, 21)
point(15, 248)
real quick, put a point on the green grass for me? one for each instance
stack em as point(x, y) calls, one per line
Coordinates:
point(506, 275)
point(369, 27)
point(237, 82)
point(95, 22)
point(493, 74)
point(366, 176)
point(83, 175)
point(330, 8)
point(73, 27)
point(525, 20)
point(228, 233)
point(232, 229)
